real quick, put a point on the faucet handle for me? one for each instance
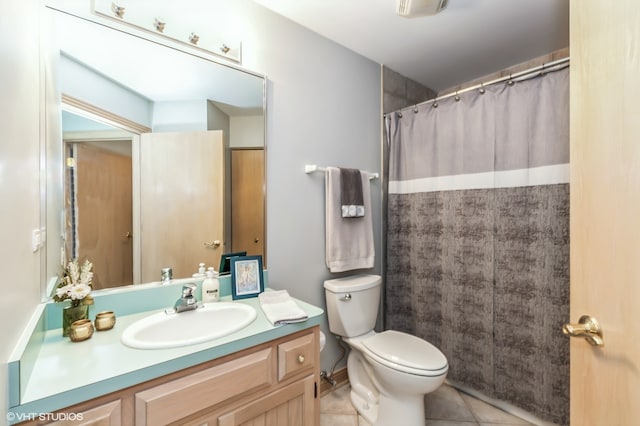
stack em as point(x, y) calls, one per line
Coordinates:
point(188, 289)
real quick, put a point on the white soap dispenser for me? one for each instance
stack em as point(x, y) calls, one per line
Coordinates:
point(211, 287)
point(201, 271)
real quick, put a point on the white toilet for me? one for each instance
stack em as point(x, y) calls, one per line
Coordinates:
point(389, 372)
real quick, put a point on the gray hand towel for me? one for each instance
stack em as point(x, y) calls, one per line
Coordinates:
point(351, 200)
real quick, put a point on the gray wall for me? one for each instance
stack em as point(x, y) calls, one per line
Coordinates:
point(323, 108)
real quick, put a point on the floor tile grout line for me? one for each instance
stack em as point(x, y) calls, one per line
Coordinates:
point(467, 405)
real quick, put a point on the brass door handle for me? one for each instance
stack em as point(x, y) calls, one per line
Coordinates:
point(587, 327)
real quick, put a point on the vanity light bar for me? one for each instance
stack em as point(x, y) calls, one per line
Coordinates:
point(177, 32)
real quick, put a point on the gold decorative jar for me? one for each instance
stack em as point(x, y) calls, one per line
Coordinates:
point(105, 320)
point(81, 330)
point(70, 314)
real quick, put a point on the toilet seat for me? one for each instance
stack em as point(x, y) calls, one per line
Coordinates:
point(405, 353)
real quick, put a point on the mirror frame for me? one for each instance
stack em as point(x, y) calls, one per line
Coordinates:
point(52, 130)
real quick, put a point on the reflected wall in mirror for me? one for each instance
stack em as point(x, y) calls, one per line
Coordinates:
point(156, 144)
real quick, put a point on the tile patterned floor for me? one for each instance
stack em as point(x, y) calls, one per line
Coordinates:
point(444, 407)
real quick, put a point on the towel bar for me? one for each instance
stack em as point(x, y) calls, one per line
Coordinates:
point(310, 168)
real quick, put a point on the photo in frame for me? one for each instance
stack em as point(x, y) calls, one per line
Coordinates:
point(246, 277)
point(225, 261)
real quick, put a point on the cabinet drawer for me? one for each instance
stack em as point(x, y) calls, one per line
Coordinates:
point(186, 396)
point(295, 356)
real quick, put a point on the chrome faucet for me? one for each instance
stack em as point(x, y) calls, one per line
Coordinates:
point(188, 301)
point(167, 275)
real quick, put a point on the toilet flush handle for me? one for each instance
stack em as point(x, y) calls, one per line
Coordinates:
point(346, 297)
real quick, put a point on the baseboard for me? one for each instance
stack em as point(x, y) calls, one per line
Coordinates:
point(341, 378)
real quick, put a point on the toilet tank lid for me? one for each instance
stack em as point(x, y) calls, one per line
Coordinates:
point(352, 283)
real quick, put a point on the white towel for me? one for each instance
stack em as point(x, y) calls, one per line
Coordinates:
point(349, 242)
point(280, 308)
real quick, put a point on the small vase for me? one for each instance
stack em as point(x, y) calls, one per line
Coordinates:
point(71, 314)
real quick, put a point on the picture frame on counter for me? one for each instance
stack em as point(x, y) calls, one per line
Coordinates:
point(247, 278)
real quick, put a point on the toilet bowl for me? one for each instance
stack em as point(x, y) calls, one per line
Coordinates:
point(389, 372)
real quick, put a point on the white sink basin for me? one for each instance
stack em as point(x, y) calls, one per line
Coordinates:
point(161, 330)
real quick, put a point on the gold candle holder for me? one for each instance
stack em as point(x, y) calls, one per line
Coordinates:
point(81, 330)
point(105, 320)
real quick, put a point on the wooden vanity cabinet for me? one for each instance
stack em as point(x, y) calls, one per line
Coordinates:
point(290, 405)
point(275, 383)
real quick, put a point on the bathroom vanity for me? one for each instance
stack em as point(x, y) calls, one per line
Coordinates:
point(275, 380)
point(258, 372)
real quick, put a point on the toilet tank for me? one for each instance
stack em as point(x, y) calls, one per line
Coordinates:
point(352, 304)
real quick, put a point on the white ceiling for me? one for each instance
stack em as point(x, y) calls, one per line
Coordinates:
point(468, 40)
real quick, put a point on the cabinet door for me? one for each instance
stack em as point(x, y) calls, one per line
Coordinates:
point(109, 414)
point(292, 405)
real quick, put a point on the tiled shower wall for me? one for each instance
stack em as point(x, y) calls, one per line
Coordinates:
point(401, 92)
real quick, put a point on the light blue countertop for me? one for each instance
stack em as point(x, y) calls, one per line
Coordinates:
point(62, 373)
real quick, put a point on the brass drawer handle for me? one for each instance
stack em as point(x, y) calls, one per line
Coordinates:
point(301, 359)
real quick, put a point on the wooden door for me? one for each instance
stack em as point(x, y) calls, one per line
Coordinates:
point(247, 202)
point(103, 214)
point(605, 209)
point(181, 202)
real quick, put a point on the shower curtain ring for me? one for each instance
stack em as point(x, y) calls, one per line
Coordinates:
point(510, 82)
point(482, 89)
point(457, 98)
point(415, 109)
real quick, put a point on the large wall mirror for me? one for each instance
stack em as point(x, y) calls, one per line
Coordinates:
point(155, 156)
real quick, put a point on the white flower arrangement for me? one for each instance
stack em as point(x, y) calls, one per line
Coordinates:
point(76, 284)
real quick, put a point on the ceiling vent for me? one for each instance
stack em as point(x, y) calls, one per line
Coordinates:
point(414, 8)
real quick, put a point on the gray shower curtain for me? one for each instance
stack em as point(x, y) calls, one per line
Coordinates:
point(478, 237)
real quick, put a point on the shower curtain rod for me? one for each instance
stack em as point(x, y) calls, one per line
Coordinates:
point(522, 75)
